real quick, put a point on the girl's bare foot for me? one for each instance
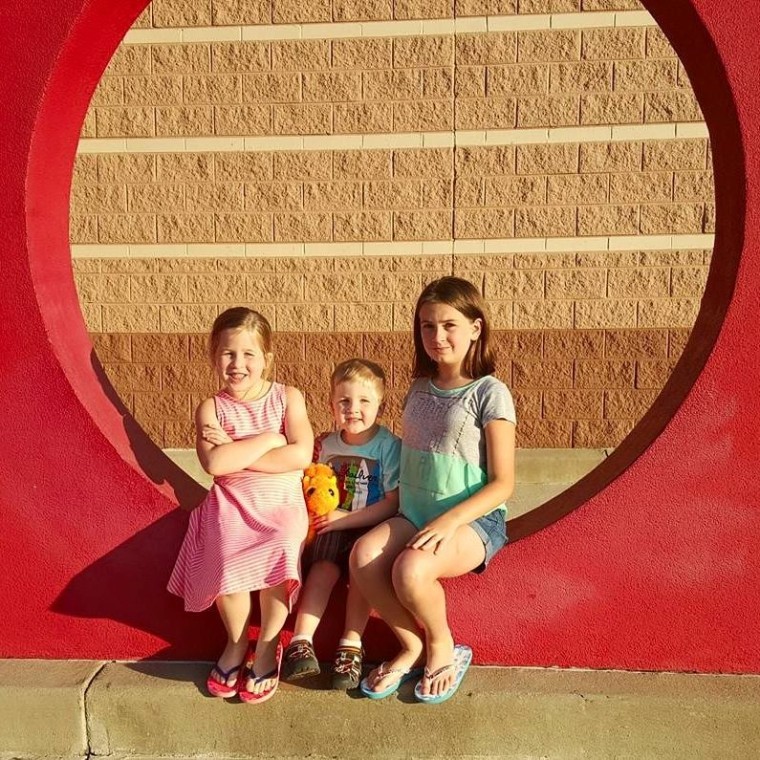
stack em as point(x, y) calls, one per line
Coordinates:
point(232, 657)
point(405, 660)
point(440, 652)
point(265, 662)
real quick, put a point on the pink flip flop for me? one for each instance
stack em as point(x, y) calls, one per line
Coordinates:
point(222, 688)
point(263, 696)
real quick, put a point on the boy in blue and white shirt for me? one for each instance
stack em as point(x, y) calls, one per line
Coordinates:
point(365, 457)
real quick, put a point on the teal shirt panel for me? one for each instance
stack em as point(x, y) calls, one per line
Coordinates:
point(453, 481)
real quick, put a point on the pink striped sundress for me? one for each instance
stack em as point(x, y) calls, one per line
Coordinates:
point(249, 531)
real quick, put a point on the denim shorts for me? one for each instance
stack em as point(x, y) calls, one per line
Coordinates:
point(492, 530)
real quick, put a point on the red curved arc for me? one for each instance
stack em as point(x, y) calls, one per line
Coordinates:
point(51, 161)
point(686, 32)
point(52, 156)
point(657, 571)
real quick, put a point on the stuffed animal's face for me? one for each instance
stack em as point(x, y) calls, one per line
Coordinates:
point(320, 489)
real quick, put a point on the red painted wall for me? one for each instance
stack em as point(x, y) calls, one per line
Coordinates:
point(653, 563)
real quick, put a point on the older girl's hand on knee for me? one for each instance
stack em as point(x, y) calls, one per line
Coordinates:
point(435, 535)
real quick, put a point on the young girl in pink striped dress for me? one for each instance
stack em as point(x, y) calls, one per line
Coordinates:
point(254, 437)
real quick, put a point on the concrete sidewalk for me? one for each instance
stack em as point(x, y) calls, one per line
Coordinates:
point(68, 709)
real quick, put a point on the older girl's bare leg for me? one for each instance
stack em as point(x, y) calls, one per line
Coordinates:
point(415, 576)
point(371, 565)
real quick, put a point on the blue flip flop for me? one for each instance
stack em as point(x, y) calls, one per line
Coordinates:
point(384, 670)
point(462, 660)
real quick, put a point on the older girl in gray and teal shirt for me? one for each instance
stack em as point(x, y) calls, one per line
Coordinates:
point(457, 471)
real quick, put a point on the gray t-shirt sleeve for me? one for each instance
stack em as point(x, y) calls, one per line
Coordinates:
point(496, 402)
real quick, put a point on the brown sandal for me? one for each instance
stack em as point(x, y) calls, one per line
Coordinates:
point(347, 668)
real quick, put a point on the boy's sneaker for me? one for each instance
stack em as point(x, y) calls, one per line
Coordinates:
point(347, 668)
point(299, 661)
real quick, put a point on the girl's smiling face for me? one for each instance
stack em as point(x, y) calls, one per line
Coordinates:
point(240, 362)
point(447, 334)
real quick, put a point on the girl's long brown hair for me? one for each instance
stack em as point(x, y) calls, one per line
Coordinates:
point(463, 296)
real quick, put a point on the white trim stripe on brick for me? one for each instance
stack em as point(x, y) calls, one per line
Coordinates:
point(395, 140)
point(338, 30)
point(402, 248)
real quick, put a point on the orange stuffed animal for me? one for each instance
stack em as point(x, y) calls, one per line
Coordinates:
point(320, 490)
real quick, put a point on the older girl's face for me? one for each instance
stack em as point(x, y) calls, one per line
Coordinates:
point(447, 334)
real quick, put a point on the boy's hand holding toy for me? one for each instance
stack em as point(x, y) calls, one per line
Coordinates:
point(320, 490)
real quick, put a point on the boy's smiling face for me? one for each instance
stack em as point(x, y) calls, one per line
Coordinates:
point(355, 406)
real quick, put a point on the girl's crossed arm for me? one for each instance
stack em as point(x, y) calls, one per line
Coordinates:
point(218, 453)
point(500, 449)
point(296, 455)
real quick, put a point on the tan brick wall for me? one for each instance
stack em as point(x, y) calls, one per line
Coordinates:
point(193, 13)
point(527, 291)
point(429, 83)
point(523, 191)
point(572, 388)
point(585, 340)
point(177, 227)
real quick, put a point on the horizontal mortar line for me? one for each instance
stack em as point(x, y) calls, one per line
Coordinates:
point(401, 248)
point(390, 140)
point(417, 27)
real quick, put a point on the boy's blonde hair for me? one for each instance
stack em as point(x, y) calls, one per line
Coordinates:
point(362, 370)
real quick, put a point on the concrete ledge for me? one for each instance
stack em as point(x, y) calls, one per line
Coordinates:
point(53, 709)
point(42, 707)
point(533, 466)
point(541, 473)
point(160, 709)
point(544, 466)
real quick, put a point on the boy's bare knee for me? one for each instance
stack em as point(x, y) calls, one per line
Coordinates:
point(324, 572)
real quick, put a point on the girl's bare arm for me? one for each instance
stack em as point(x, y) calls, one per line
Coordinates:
point(296, 455)
point(226, 458)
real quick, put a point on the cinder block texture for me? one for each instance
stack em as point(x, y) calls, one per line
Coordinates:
point(184, 13)
point(586, 337)
point(537, 190)
point(580, 338)
point(505, 79)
